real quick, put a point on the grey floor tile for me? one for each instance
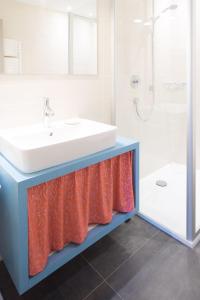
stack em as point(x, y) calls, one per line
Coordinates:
point(197, 249)
point(134, 234)
point(46, 290)
point(146, 265)
point(163, 269)
point(76, 280)
point(103, 292)
point(107, 254)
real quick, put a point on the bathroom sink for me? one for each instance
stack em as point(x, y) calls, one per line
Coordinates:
point(34, 148)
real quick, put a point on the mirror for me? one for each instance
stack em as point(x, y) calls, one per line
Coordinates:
point(55, 37)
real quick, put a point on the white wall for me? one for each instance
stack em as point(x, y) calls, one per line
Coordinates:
point(90, 97)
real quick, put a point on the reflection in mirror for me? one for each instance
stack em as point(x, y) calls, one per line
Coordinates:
point(83, 50)
point(48, 37)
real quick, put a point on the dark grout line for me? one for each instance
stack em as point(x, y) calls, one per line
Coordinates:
point(106, 278)
point(85, 298)
point(130, 256)
point(104, 281)
point(114, 290)
point(94, 269)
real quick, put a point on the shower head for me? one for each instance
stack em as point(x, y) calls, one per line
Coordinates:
point(171, 7)
point(153, 20)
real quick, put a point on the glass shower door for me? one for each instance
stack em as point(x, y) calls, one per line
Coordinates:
point(196, 66)
point(151, 102)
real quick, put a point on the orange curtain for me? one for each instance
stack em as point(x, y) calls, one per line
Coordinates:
point(60, 210)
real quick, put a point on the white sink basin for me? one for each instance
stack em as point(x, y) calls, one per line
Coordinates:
point(35, 148)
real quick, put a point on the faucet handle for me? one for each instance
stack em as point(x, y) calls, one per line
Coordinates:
point(48, 111)
point(46, 101)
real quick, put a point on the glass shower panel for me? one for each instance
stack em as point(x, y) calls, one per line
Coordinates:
point(171, 42)
point(134, 73)
point(197, 107)
point(151, 102)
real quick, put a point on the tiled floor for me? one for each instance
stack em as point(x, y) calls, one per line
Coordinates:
point(135, 262)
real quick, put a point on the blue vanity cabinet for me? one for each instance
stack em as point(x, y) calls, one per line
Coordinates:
point(14, 213)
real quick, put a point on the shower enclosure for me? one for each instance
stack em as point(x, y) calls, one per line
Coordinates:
point(156, 101)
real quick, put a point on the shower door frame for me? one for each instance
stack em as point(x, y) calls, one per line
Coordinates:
point(192, 233)
point(192, 237)
point(191, 158)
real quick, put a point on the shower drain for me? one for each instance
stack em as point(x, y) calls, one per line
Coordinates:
point(161, 183)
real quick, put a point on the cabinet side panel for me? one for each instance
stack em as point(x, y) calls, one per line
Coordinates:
point(9, 225)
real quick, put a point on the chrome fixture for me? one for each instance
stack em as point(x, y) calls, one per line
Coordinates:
point(135, 81)
point(171, 7)
point(151, 21)
point(161, 183)
point(48, 113)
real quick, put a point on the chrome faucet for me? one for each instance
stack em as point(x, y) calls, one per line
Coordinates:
point(48, 113)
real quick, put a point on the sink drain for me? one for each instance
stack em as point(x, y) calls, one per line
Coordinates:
point(161, 183)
